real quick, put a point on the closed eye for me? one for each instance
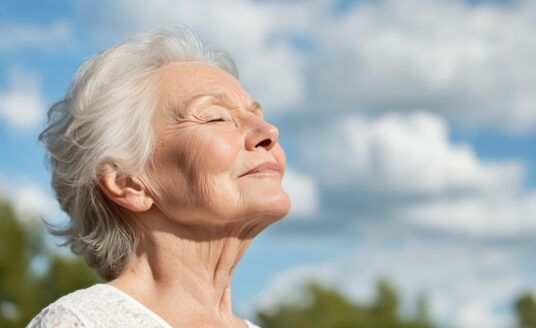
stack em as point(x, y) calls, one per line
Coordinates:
point(220, 119)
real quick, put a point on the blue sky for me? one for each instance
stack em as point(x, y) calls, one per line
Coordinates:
point(408, 126)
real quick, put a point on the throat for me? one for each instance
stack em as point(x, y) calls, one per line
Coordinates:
point(182, 278)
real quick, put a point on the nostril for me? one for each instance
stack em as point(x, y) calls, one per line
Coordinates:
point(264, 143)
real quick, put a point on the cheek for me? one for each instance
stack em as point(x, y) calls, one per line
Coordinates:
point(218, 152)
point(191, 160)
point(216, 163)
point(211, 158)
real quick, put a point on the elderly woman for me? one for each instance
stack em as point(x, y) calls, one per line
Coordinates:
point(167, 170)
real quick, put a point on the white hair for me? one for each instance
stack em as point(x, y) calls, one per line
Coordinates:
point(105, 117)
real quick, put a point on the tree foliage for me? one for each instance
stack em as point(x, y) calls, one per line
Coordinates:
point(330, 309)
point(23, 290)
point(525, 307)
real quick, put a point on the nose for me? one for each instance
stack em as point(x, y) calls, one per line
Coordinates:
point(261, 134)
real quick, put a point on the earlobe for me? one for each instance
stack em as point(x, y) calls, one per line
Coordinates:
point(128, 192)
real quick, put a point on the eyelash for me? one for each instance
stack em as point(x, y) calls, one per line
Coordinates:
point(222, 119)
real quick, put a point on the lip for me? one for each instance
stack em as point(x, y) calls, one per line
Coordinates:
point(264, 167)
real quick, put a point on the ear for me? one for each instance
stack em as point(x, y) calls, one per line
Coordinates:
point(128, 192)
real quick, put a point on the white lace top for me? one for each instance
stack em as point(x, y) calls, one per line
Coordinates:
point(99, 306)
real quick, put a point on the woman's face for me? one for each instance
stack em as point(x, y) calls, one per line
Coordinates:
point(208, 134)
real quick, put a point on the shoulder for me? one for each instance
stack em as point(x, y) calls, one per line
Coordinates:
point(97, 306)
point(56, 315)
point(66, 311)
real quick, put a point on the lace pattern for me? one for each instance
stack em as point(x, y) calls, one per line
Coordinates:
point(98, 307)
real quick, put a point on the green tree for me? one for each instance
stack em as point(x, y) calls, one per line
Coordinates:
point(327, 308)
point(525, 308)
point(24, 292)
point(422, 318)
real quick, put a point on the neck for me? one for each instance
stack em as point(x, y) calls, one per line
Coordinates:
point(183, 273)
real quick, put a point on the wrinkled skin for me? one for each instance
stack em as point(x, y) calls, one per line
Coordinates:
point(197, 210)
point(198, 163)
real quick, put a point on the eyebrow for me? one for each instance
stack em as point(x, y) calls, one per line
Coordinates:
point(224, 98)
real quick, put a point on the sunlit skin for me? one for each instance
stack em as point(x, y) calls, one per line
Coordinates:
point(198, 211)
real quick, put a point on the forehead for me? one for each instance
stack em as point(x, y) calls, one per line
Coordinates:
point(180, 82)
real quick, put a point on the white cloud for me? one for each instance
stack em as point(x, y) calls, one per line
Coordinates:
point(473, 64)
point(22, 104)
point(271, 71)
point(13, 36)
point(464, 285)
point(403, 167)
point(303, 193)
point(29, 199)
point(480, 216)
point(408, 154)
point(412, 154)
point(288, 288)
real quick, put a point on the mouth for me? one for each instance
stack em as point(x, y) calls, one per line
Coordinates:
point(267, 167)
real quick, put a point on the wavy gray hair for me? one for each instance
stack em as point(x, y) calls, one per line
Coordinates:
point(105, 116)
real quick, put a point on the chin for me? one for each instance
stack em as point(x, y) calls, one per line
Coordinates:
point(274, 207)
point(263, 212)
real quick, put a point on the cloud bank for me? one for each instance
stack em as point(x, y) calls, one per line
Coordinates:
point(472, 64)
